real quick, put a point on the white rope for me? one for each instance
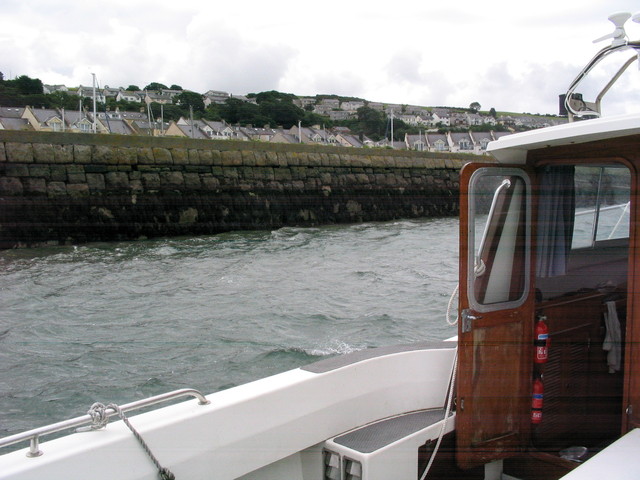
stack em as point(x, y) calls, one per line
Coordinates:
point(446, 415)
point(450, 307)
point(99, 417)
point(452, 382)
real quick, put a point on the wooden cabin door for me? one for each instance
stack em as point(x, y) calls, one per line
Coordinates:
point(495, 330)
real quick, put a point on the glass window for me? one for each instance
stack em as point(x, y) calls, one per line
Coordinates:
point(499, 241)
point(602, 205)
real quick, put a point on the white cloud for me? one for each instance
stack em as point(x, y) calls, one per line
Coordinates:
point(410, 52)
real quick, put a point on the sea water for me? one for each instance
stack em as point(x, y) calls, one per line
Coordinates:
point(117, 322)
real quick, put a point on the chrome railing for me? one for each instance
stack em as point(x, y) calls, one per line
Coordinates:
point(33, 436)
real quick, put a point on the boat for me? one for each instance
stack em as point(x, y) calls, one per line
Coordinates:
point(541, 381)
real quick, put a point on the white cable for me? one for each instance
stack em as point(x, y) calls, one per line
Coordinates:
point(446, 415)
point(450, 305)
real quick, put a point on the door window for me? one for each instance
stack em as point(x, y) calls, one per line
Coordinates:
point(499, 226)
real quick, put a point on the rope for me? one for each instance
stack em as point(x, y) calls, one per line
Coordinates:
point(450, 306)
point(99, 419)
point(446, 415)
point(452, 382)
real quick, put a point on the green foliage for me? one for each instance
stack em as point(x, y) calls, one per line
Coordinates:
point(175, 87)
point(188, 99)
point(27, 86)
point(273, 108)
point(63, 100)
point(156, 86)
point(372, 123)
point(168, 112)
point(133, 88)
point(474, 107)
point(23, 91)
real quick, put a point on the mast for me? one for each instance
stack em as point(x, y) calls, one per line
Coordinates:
point(391, 128)
point(94, 102)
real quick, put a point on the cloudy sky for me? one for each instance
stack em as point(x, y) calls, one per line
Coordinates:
point(509, 55)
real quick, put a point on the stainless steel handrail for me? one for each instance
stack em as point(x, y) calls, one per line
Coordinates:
point(596, 110)
point(34, 435)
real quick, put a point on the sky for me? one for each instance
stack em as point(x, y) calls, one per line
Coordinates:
point(504, 54)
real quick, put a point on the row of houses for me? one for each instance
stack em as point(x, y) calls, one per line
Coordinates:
point(163, 96)
point(136, 123)
point(334, 108)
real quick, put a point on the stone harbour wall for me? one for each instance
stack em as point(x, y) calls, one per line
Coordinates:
point(63, 188)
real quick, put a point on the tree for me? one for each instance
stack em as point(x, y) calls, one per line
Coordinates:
point(493, 112)
point(156, 86)
point(371, 122)
point(474, 107)
point(188, 99)
point(63, 100)
point(133, 88)
point(167, 112)
point(27, 86)
point(175, 87)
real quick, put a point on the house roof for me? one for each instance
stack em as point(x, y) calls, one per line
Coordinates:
point(10, 123)
point(11, 112)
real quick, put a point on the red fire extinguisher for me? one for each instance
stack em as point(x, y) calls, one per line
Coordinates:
point(536, 401)
point(541, 341)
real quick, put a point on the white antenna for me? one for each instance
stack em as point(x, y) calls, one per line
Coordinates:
point(619, 36)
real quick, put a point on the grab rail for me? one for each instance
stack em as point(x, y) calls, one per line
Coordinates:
point(34, 435)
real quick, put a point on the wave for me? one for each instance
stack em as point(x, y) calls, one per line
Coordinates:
point(332, 348)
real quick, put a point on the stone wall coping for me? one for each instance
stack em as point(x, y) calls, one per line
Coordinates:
point(140, 141)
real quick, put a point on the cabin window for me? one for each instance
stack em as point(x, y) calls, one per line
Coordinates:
point(583, 228)
point(499, 224)
point(602, 205)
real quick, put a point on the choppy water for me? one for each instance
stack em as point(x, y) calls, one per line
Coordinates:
point(120, 322)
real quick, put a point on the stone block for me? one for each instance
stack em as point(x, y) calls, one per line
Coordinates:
point(43, 153)
point(105, 155)
point(82, 154)
point(63, 154)
point(16, 170)
point(261, 158)
point(126, 155)
point(231, 158)
point(3, 153)
point(194, 156)
point(35, 186)
point(56, 189)
point(58, 173)
point(151, 180)
point(19, 152)
point(192, 180)
point(206, 157)
point(136, 186)
point(96, 182)
point(281, 174)
point(248, 158)
point(217, 157)
point(116, 181)
point(77, 178)
point(180, 156)
point(95, 169)
point(162, 156)
point(210, 183)
point(172, 179)
point(272, 158)
point(145, 156)
point(11, 186)
point(78, 190)
point(42, 171)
